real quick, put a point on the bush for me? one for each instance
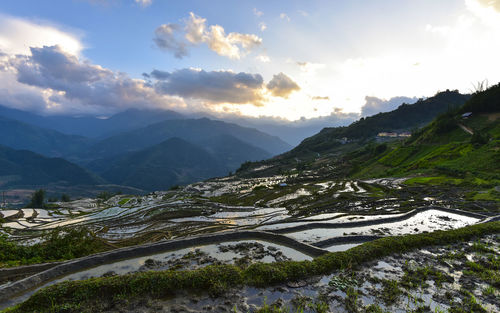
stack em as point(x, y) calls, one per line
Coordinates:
point(445, 123)
point(479, 139)
point(56, 245)
point(37, 199)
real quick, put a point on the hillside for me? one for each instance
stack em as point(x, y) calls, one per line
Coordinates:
point(196, 131)
point(232, 152)
point(172, 162)
point(444, 151)
point(332, 143)
point(26, 168)
point(20, 135)
point(405, 118)
point(217, 157)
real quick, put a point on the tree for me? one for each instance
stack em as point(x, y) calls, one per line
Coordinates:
point(37, 199)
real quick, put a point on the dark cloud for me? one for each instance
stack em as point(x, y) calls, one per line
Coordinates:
point(168, 37)
point(374, 105)
point(282, 86)
point(159, 75)
point(71, 82)
point(53, 68)
point(214, 86)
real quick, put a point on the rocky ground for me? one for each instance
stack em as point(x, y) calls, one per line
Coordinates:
point(463, 277)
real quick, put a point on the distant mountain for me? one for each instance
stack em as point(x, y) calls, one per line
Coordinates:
point(19, 135)
point(93, 126)
point(172, 162)
point(26, 168)
point(232, 152)
point(176, 162)
point(196, 131)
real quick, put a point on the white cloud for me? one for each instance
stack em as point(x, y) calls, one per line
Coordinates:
point(263, 58)
point(18, 35)
point(441, 30)
point(262, 26)
point(303, 13)
point(175, 38)
point(257, 12)
point(495, 4)
point(195, 29)
point(488, 11)
point(144, 3)
point(310, 66)
point(284, 16)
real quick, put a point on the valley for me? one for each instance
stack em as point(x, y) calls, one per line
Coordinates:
point(408, 225)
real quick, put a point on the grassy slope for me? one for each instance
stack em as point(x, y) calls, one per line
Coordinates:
point(328, 142)
point(440, 153)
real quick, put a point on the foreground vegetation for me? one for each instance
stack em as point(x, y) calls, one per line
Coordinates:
point(56, 245)
point(90, 294)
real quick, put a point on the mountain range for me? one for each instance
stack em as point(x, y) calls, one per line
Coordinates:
point(157, 150)
point(130, 148)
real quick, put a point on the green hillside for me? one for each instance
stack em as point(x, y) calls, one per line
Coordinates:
point(332, 143)
point(26, 168)
point(405, 118)
point(172, 162)
point(445, 151)
point(20, 135)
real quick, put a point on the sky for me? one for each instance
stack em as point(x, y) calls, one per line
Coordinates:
point(287, 60)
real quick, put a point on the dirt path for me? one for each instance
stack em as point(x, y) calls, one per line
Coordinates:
point(466, 129)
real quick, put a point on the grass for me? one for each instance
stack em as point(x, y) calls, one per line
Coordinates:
point(216, 279)
point(390, 291)
point(123, 201)
point(56, 245)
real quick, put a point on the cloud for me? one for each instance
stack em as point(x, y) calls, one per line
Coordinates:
point(144, 3)
point(284, 16)
point(18, 35)
point(257, 12)
point(57, 81)
point(374, 105)
point(213, 87)
point(262, 26)
point(177, 38)
point(303, 13)
point(263, 58)
point(320, 98)
point(159, 75)
point(167, 38)
point(309, 66)
point(495, 4)
point(195, 29)
point(282, 86)
point(229, 45)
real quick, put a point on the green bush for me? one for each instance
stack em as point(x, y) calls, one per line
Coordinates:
point(55, 245)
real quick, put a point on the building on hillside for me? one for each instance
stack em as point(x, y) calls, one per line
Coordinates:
point(466, 115)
